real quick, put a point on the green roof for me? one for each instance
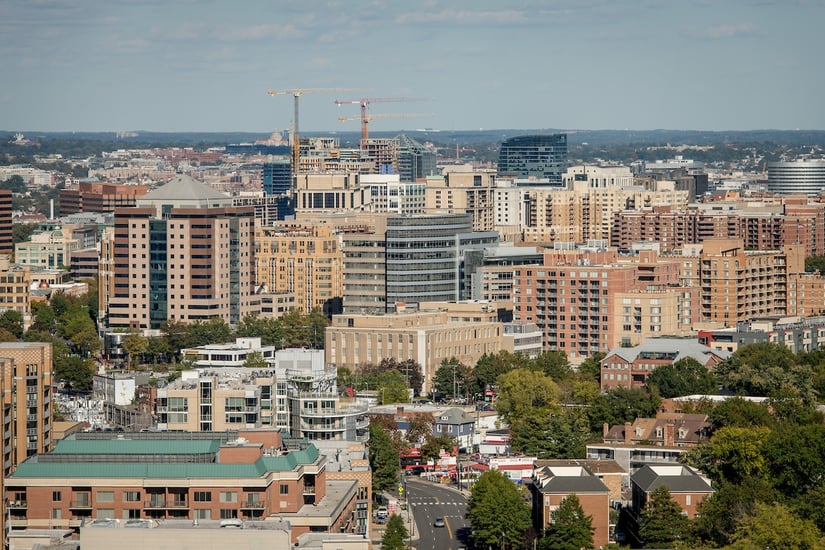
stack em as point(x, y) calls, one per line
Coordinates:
point(136, 447)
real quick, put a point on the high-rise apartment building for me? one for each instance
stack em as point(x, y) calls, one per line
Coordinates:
point(6, 238)
point(26, 370)
point(535, 156)
point(302, 259)
point(185, 254)
point(464, 193)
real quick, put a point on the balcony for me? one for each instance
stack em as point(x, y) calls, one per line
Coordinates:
point(81, 504)
point(155, 504)
point(252, 504)
point(18, 504)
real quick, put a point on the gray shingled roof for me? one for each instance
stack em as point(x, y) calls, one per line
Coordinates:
point(548, 481)
point(184, 188)
point(677, 478)
point(682, 346)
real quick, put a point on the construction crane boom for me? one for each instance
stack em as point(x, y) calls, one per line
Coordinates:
point(364, 101)
point(296, 93)
point(365, 120)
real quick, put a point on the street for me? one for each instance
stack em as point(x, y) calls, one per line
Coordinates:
point(429, 501)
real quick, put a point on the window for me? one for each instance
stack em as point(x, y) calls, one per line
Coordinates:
point(56, 513)
point(203, 496)
point(284, 489)
point(105, 513)
point(56, 497)
point(131, 496)
point(131, 513)
point(228, 513)
point(687, 500)
point(105, 496)
point(229, 496)
point(203, 514)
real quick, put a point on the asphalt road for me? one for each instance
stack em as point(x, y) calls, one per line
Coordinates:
point(429, 501)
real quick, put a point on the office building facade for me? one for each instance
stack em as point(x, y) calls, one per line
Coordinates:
point(806, 177)
point(535, 156)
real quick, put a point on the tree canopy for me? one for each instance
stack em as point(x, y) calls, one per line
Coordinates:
point(661, 522)
point(497, 512)
point(684, 377)
point(569, 528)
point(395, 535)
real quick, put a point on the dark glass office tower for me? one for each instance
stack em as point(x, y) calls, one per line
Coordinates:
point(539, 156)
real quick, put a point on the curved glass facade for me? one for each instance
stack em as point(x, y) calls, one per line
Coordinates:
point(805, 177)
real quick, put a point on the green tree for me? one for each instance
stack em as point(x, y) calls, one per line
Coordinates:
point(384, 459)
point(133, 344)
point(795, 457)
point(176, 334)
point(497, 512)
point(15, 184)
point(12, 321)
point(739, 413)
point(409, 369)
point(762, 369)
point(255, 360)
point(620, 405)
point(815, 263)
point(213, 331)
point(684, 377)
point(774, 526)
point(76, 372)
point(661, 522)
point(732, 454)
point(555, 433)
point(720, 513)
point(569, 528)
point(22, 232)
point(591, 368)
point(490, 366)
point(521, 390)
point(554, 364)
point(434, 444)
point(451, 379)
point(395, 535)
point(44, 318)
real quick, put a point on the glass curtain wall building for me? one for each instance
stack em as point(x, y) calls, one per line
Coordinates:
point(537, 156)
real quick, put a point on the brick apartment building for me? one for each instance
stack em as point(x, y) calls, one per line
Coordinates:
point(210, 476)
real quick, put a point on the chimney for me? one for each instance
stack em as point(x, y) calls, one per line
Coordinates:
point(670, 430)
point(605, 429)
point(399, 411)
point(627, 433)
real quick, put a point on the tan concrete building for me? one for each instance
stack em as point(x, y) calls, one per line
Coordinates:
point(304, 260)
point(464, 193)
point(27, 406)
point(737, 285)
point(436, 332)
point(583, 213)
point(15, 293)
point(183, 254)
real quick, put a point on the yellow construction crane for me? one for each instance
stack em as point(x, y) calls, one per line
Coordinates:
point(365, 120)
point(364, 101)
point(296, 140)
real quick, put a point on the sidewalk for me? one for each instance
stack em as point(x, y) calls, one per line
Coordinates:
point(406, 514)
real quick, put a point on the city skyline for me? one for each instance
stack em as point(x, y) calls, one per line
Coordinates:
point(595, 64)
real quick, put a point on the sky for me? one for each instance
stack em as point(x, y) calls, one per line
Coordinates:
point(201, 65)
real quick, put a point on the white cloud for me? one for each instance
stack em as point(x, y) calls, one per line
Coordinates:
point(257, 32)
point(464, 17)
